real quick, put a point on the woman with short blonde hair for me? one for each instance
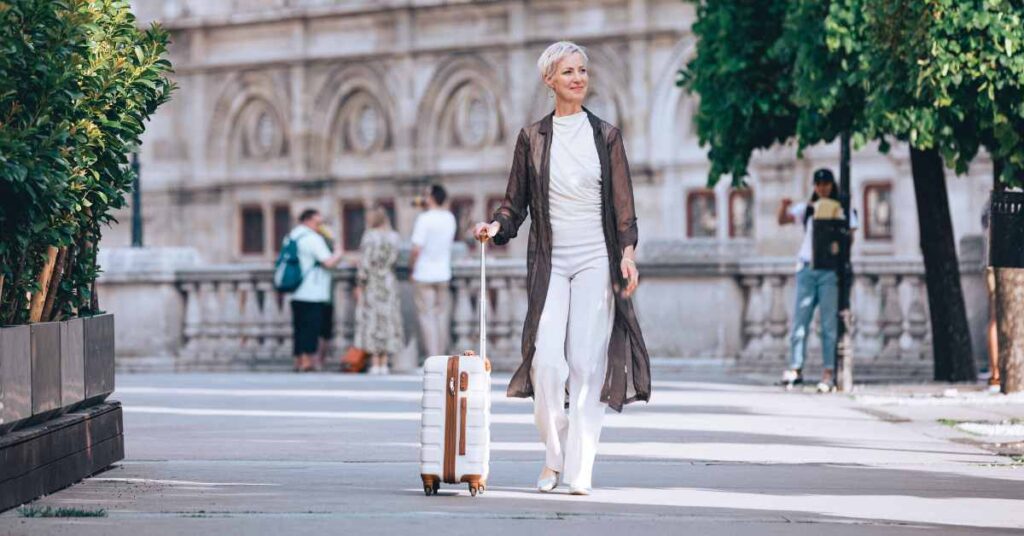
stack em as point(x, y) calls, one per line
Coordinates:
point(569, 171)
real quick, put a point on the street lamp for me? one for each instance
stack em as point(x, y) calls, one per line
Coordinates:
point(136, 204)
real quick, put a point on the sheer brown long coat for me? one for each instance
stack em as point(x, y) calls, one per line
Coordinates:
point(628, 376)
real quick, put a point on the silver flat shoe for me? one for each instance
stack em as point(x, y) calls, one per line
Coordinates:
point(573, 490)
point(545, 485)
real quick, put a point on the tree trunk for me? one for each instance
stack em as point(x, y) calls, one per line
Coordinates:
point(39, 298)
point(1010, 312)
point(54, 287)
point(951, 337)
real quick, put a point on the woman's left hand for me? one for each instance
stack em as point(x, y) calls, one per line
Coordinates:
point(631, 274)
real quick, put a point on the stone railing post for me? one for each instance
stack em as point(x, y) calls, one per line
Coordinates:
point(917, 321)
point(754, 318)
point(778, 320)
point(891, 317)
point(250, 321)
point(462, 316)
point(192, 325)
point(210, 329)
point(502, 318)
point(522, 306)
point(344, 310)
point(230, 340)
point(270, 340)
point(867, 340)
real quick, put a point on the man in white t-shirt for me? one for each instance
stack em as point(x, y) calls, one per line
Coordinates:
point(309, 301)
point(814, 287)
point(431, 263)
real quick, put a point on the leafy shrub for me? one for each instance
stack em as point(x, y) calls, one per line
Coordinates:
point(78, 80)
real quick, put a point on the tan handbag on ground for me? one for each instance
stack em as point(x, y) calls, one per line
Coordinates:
point(354, 360)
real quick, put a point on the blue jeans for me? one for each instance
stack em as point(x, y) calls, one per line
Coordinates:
point(815, 288)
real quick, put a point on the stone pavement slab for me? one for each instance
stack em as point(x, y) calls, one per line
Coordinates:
point(319, 453)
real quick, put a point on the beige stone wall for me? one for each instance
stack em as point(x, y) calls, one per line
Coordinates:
point(316, 103)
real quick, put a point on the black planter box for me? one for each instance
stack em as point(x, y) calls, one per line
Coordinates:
point(15, 376)
point(50, 368)
point(45, 351)
point(1006, 231)
point(55, 428)
point(98, 340)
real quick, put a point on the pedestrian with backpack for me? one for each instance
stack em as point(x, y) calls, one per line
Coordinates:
point(301, 270)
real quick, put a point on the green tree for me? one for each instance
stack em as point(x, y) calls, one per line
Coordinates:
point(78, 80)
point(744, 86)
point(946, 77)
point(854, 66)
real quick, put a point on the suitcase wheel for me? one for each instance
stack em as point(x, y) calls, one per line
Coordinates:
point(431, 489)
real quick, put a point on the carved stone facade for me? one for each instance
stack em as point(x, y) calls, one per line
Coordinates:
point(289, 104)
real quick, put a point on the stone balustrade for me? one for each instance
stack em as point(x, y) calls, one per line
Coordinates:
point(889, 316)
point(234, 320)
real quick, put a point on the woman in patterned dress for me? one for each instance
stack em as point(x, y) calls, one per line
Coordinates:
point(378, 315)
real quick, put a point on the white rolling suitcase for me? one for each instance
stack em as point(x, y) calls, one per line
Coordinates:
point(455, 438)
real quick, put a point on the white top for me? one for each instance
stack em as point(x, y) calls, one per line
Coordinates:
point(807, 246)
point(575, 188)
point(434, 233)
point(316, 281)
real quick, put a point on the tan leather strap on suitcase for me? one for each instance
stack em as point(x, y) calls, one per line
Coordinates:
point(450, 419)
point(462, 426)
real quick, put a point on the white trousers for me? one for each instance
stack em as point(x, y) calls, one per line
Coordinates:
point(572, 344)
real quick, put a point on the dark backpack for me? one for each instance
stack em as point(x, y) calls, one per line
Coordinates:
point(287, 270)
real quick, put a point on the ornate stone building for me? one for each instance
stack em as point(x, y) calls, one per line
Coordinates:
point(288, 104)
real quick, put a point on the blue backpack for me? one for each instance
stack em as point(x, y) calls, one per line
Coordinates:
point(287, 270)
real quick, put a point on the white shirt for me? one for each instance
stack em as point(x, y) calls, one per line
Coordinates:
point(434, 233)
point(575, 188)
point(316, 281)
point(807, 246)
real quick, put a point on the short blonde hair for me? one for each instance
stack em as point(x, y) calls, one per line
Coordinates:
point(548, 61)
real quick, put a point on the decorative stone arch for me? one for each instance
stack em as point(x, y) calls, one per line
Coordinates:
point(247, 124)
point(672, 108)
point(461, 109)
point(608, 90)
point(358, 116)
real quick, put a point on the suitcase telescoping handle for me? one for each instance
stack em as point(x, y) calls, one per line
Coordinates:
point(483, 300)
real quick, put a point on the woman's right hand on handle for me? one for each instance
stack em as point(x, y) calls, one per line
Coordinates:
point(486, 231)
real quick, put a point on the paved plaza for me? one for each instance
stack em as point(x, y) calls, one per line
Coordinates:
point(329, 454)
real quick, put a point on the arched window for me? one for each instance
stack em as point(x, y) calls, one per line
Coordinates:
point(741, 213)
point(701, 214)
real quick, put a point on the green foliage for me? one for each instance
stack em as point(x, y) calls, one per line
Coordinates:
point(942, 74)
point(827, 99)
point(78, 80)
point(744, 89)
